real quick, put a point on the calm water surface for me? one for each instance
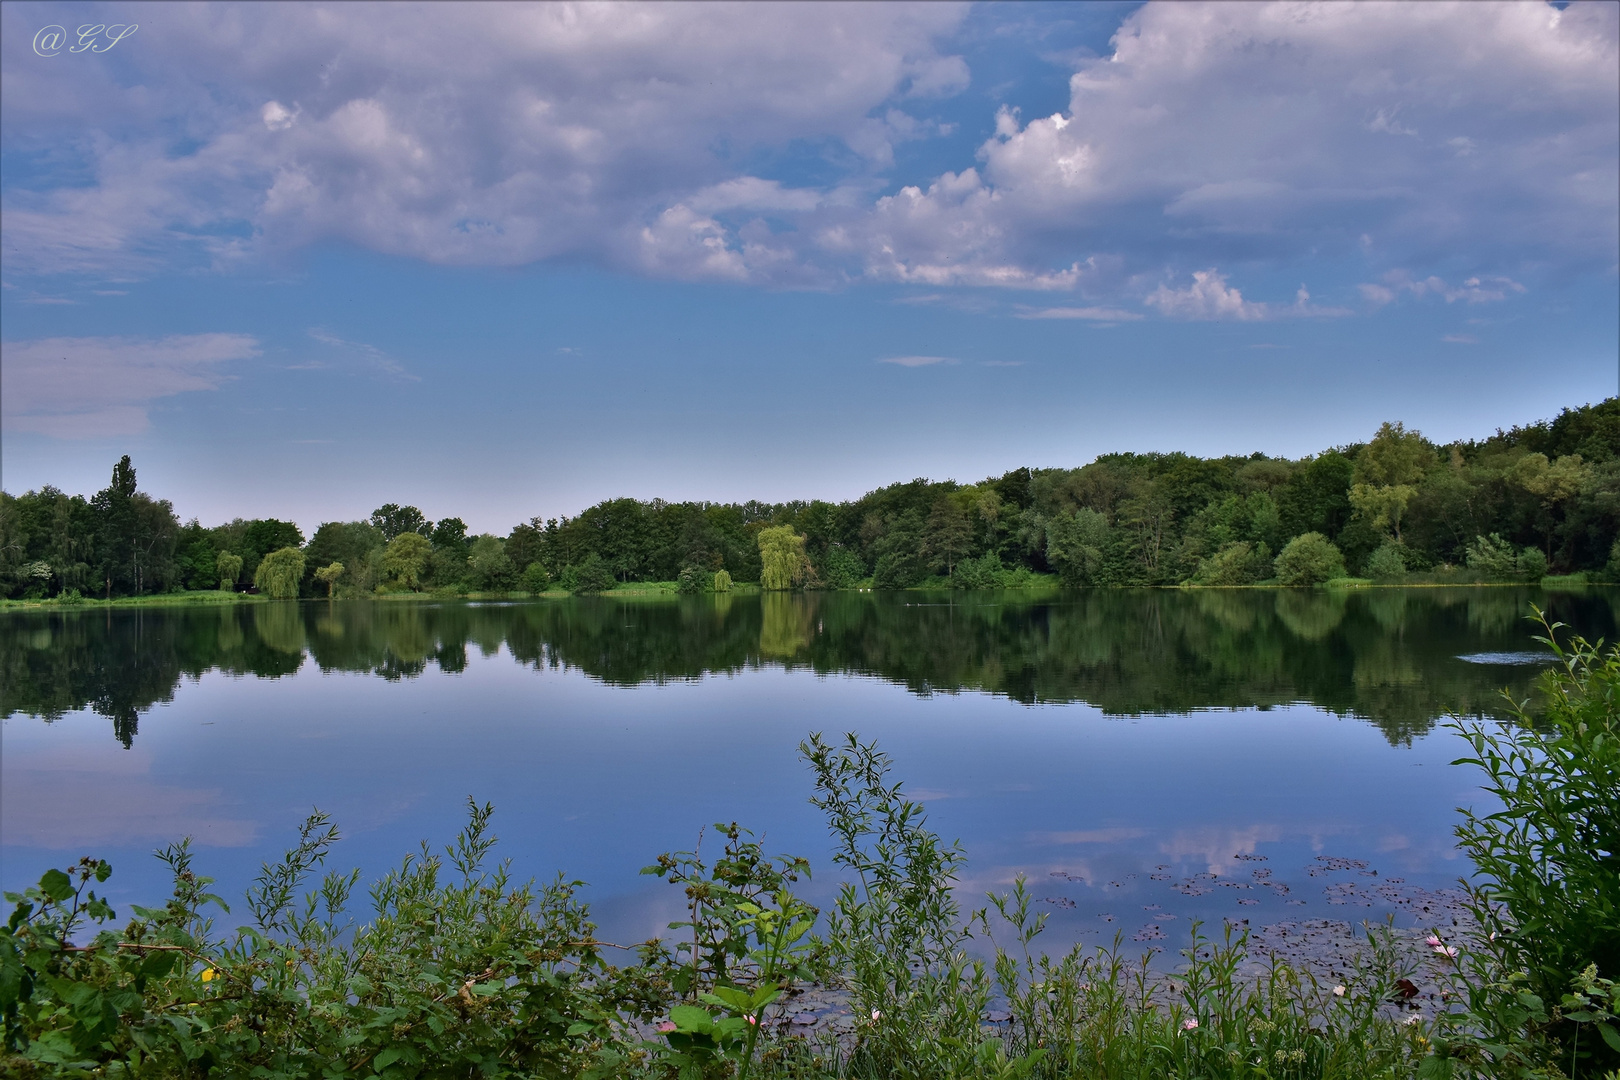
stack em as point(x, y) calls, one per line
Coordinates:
point(1112, 745)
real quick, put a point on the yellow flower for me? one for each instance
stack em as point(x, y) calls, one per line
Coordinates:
point(208, 974)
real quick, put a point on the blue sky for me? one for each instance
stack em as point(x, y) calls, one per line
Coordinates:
point(300, 260)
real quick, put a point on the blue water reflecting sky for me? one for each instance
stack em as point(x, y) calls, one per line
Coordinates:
point(596, 780)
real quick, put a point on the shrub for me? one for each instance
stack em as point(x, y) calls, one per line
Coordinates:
point(722, 581)
point(1495, 558)
point(471, 975)
point(1388, 563)
point(985, 572)
point(1240, 563)
point(1541, 995)
point(590, 576)
point(693, 579)
point(535, 579)
point(1309, 559)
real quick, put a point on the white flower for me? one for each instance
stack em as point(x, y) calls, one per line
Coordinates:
point(1338, 991)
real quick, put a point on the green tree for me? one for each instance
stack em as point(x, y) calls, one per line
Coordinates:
point(1076, 543)
point(487, 561)
point(783, 563)
point(1553, 484)
point(328, 576)
point(280, 573)
point(229, 566)
point(722, 581)
point(1387, 472)
point(405, 558)
point(1309, 560)
point(947, 536)
point(393, 520)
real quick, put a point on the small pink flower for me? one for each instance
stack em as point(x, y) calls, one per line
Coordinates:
point(1188, 1025)
point(1432, 942)
point(1447, 951)
point(752, 1020)
point(667, 1025)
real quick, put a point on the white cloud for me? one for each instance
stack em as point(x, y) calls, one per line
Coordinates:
point(1473, 290)
point(1094, 314)
point(1460, 339)
point(1208, 297)
point(1217, 132)
point(916, 361)
point(467, 134)
point(1213, 134)
point(92, 387)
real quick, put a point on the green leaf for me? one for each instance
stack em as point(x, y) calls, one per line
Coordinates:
point(387, 1058)
point(1610, 1036)
point(690, 1018)
point(56, 885)
point(157, 964)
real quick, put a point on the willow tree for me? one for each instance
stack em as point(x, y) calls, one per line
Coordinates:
point(328, 576)
point(782, 558)
point(229, 567)
point(279, 573)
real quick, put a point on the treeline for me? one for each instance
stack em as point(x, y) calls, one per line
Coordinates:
point(1538, 499)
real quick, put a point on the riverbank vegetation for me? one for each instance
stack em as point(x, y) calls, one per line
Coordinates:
point(1538, 499)
point(459, 969)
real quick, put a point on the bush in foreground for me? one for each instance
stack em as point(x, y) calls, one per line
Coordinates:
point(1541, 988)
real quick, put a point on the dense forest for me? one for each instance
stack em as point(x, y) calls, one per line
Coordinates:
point(1538, 499)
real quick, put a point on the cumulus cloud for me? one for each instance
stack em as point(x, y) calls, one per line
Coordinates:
point(488, 134)
point(1211, 135)
point(1208, 297)
point(92, 387)
point(1225, 132)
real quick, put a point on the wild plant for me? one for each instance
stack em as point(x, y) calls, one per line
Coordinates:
point(471, 977)
point(896, 934)
point(749, 944)
point(1536, 980)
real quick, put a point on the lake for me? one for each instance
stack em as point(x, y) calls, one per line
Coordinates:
point(1145, 757)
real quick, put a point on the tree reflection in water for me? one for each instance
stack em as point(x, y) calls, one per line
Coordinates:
point(1386, 655)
